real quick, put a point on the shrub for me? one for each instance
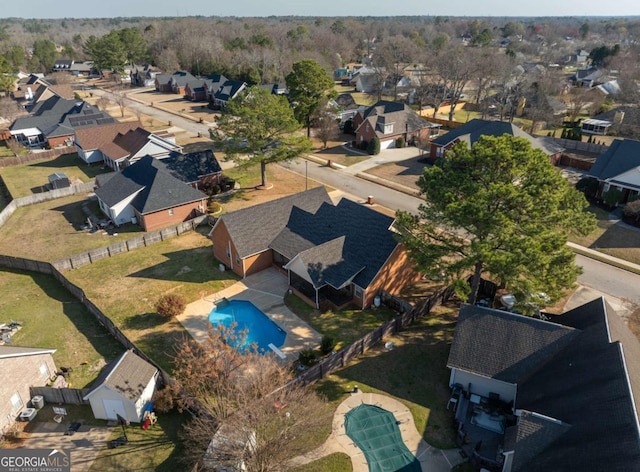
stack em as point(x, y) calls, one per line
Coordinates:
point(348, 127)
point(214, 207)
point(327, 345)
point(363, 145)
point(374, 146)
point(307, 357)
point(227, 183)
point(612, 198)
point(588, 186)
point(163, 400)
point(400, 142)
point(170, 305)
point(631, 211)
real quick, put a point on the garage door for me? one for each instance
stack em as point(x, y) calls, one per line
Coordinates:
point(388, 144)
point(113, 408)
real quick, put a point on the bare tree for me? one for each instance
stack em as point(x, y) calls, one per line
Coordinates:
point(579, 99)
point(325, 123)
point(103, 103)
point(9, 109)
point(245, 402)
point(119, 96)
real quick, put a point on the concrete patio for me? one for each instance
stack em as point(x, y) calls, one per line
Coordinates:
point(265, 290)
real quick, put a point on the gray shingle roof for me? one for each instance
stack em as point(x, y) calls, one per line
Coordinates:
point(473, 130)
point(252, 229)
point(128, 375)
point(158, 189)
point(48, 114)
point(401, 116)
point(192, 166)
point(622, 156)
point(338, 243)
point(504, 356)
point(229, 90)
point(15, 351)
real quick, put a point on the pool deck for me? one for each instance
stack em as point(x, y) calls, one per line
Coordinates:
point(431, 459)
point(265, 290)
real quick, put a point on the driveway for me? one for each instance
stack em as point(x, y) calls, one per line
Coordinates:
point(84, 444)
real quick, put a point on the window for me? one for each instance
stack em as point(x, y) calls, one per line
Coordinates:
point(228, 251)
point(439, 151)
point(606, 187)
point(170, 211)
point(357, 291)
point(16, 402)
point(388, 128)
point(44, 371)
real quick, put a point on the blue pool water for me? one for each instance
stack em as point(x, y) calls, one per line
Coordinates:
point(260, 329)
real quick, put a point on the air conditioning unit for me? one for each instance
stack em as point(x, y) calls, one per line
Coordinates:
point(28, 414)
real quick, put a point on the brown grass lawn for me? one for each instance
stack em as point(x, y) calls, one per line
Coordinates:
point(127, 287)
point(612, 238)
point(51, 230)
point(30, 178)
point(197, 110)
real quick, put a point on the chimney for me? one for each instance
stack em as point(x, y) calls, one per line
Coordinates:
point(618, 117)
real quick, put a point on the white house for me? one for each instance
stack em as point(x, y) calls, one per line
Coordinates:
point(125, 388)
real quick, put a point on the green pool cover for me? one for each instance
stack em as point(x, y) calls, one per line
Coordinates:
point(376, 433)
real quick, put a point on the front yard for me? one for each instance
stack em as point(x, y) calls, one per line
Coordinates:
point(52, 318)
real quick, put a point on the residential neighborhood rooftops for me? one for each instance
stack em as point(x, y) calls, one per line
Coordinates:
point(154, 188)
point(193, 166)
point(399, 115)
point(99, 136)
point(622, 156)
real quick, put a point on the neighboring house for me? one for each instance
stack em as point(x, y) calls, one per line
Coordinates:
point(276, 89)
point(618, 168)
point(21, 367)
point(165, 82)
point(83, 69)
point(473, 130)
point(596, 127)
point(611, 87)
point(559, 393)
point(121, 144)
point(143, 75)
point(580, 58)
point(35, 90)
point(346, 107)
point(196, 90)
point(53, 122)
point(124, 388)
point(341, 254)
point(62, 65)
point(625, 120)
point(227, 91)
point(195, 168)
point(213, 84)
point(589, 77)
point(145, 193)
point(390, 121)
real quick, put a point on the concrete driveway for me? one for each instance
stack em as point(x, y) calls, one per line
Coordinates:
point(84, 444)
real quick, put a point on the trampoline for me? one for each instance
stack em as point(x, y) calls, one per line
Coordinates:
point(375, 431)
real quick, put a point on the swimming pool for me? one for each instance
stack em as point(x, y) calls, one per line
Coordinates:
point(260, 329)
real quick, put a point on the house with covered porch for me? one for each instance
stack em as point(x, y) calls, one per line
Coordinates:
point(341, 254)
point(618, 168)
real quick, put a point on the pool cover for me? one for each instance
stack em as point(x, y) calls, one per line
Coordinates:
point(376, 433)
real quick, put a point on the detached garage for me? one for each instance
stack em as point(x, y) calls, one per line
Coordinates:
point(125, 388)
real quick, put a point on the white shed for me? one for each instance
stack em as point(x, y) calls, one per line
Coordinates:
point(125, 388)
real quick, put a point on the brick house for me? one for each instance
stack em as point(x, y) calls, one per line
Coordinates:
point(22, 367)
point(172, 83)
point(473, 130)
point(390, 121)
point(198, 169)
point(342, 254)
point(146, 194)
point(228, 90)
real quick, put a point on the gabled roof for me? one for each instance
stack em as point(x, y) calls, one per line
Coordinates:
point(338, 244)
point(46, 115)
point(14, 351)
point(156, 189)
point(484, 343)
point(215, 81)
point(97, 137)
point(128, 375)
point(180, 77)
point(402, 118)
point(253, 229)
point(193, 166)
point(622, 156)
point(87, 118)
point(229, 90)
point(473, 130)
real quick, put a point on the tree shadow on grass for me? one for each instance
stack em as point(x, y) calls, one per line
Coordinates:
point(188, 265)
point(73, 160)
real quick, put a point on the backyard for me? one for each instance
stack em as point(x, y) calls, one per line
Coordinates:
point(51, 230)
point(52, 318)
point(30, 178)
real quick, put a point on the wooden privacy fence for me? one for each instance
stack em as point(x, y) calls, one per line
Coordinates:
point(36, 156)
point(89, 257)
point(71, 396)
point(20, 263)
point(347, 354)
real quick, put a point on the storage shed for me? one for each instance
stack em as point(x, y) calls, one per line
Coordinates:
point(59, 180)
point(124, 388)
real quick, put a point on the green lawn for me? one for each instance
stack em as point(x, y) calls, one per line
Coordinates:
point(156, 449)
point(331, 463)
point(127, 287)
point(26, 179)
point(51, 230)
point(346, 325)
point(414, 372)
point(52, 318)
